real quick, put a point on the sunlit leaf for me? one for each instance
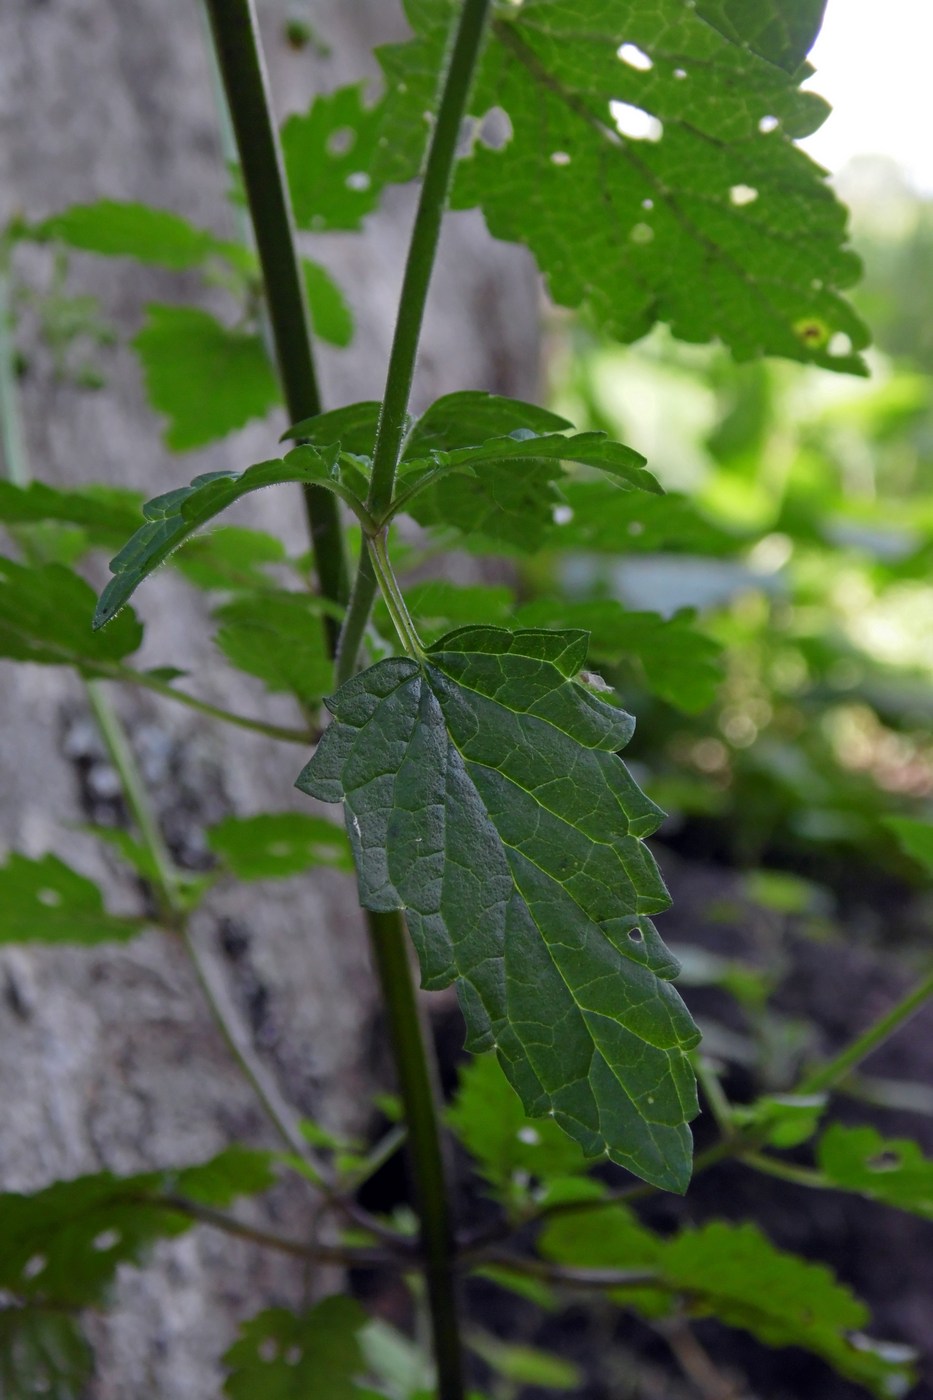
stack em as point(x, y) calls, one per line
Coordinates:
point(328, 154)
point(895, 1172)
point(116, 228)
point(274, 845)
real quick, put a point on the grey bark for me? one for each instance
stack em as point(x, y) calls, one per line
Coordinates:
point(108, 1057)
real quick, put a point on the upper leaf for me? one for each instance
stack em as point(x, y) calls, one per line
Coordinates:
point(45, 901)
point(171, 518)
point(649, 165)
point(44, 614)
point(484, 797)
point(282, 1356)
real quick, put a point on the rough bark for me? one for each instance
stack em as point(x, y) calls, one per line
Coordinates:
point(108, 1057)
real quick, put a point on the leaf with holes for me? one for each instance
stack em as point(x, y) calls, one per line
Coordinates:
point(274, 845)
point(484, 796)
point(649, 164)
point(44, 614)
point(45, 901)
point(329, 152)
point(895, 1172)
point(42, 1352)
point(281, 1355)
point(63, 1244)
point(171, 518)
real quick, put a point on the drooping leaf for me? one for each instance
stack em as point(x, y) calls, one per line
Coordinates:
point(44, 617)
point(205, 378)
point(329, 152)
point(331, 319)
point(116, 228)
point(105, 513)
point(63, 1244)
point(649, 165)
point(45, 901)
point(781, 31)
point(171, 518)
point(42, 1352)
point(279, 637)
point(274, 845)
point(679, 662)
point(895, 1172)
point(282, 1356)
point(488, 802)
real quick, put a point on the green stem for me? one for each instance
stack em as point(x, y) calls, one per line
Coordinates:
point(786, 1171)
point(420, 1097)
point(357, 617)
point(837, 1068)
point(239, 58)
point(116, 672)
point(12, 439)
point(388, 585)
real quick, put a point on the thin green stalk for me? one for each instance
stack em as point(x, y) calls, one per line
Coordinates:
point(347, 1256)
point(420, 1097)
point(357, 617)
point(842, 1064)
point(388, 585)
point(116, 672)
point(786, 1171)
point(239, 58)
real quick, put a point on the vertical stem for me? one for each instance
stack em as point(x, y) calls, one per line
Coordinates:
point(236, 42)
point(420, 1096)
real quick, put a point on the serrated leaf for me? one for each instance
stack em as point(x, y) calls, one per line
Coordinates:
point(488, 1118)
point(45, 901)
point(488, 801)
point(171, 518)
point(205, 378)
point(914, 837)
point(277, 636)
point(470, 416)
point(353, 427)
point(599, 517)
point(45, 616)
point(329, 152)
point(894, 1171)
point(781, 31)
point(63, 1244)
point(275, 845)
point(679, 663)
point(116, 228)
point(282, 1356)
point(649, 165)
point(42, 1352)
point(105, 513)
point(331, 318)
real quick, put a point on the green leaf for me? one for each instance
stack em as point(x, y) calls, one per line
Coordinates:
point(439, 605)
point(488, 1118)
point(63, 1244)
point(353, 427)
point(329, 154)
point(471, 416)
point(525, 1365)
point(105, 513)
point(45, 901)
point(781, 31)
point(206, 379)
point(678, 663)
point(45, 617)
point(600, 517)
point(783, 1120)
point(914, 837)
point(895, 1172)
point(42, 1352)
point(171, 518)
point(649, 165)
point(274, 845)
point(230, 558)
point(115, 228)
point(279, 637)
point(331, 318)
point(282, 1356)
point(487, 801)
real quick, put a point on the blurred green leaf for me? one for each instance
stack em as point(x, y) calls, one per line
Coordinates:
point(205, 378)
point(230, 558)
point(894, 1171)
point(331, 319)
point(42, 1352)
point(280, 1355)
point(275, 845)
point(782, 31)
point(329, 153)
point(915, 838)
point(279, 637)
point(526, 1365)
point(45, 617)
point(45, 901)
point(115, 228)
point(783, 1120)
point(105, 513)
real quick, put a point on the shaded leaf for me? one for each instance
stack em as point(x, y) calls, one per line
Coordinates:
point(439, 605)
point(274, 845)
point(279, 637)
point(914, 837)
point(282, 1356)
point(331, 319)
point(45, 901)
point(782, 31)
point(649, 165)
point(471, 416)
point(895, 1171)
point(206, 379)
point(329, 153)
point(105, 513)
point(42, 1352)
point(783, 1120)
point(171, 518)
point(63, 1244)
point(353, 427)
point(488, 802)
point(116, 228)
point(45, 615)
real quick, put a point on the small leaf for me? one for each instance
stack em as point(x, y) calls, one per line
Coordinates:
point(274, 845)
point(282, 1356)
point(171, 518)
point(914, 837)
point(329, 152)
point(331, 319)
point(487, 801)
point(42, 1352)
point(63, 1244)
point(895, 1172)
point(115, 228)
point(526, 1365)
point(206, 379)
point(44, 617)
point(277, 636)
point(783, 1120)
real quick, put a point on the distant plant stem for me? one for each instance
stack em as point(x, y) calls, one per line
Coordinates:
point(836, 1069)
point(117, 672)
